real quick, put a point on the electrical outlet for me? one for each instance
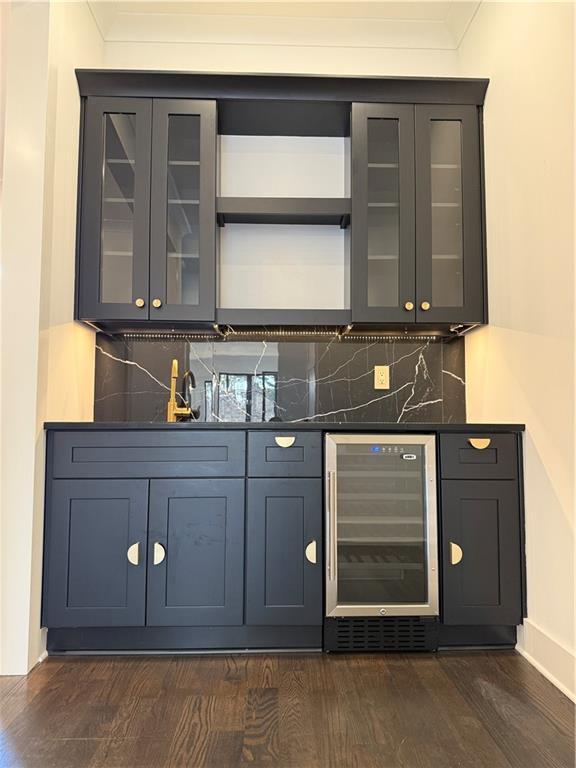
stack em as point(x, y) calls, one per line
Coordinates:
point(381, 377)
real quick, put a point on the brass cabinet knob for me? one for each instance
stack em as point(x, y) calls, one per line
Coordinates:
point(425, 306)
point(408, 306)
point(140, 303)
point(157, 303)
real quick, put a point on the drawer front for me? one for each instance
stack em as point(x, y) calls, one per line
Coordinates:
point(479, 457)
point(136, 453)
point(285, 454)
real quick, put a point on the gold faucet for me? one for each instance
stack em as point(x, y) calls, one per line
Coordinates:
point(174, 410)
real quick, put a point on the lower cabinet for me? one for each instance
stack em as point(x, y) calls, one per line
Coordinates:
point(137, 552)
point(236, 561)
point(481, 541)
point(95, 554)
point(284, 551)
point(196, 553)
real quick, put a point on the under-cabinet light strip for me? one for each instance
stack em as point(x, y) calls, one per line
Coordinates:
point(255, 335)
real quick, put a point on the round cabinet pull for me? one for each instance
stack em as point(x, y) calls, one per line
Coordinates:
point(159, 553)
point(310, 552)
point(140, 303)
point(133, 553)
point(425, 306)
point(284, 442)
point(408, 306)
point(456, 553)
point(480, 443)
point(157, 303)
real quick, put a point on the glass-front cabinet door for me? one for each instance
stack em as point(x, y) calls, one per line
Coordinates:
point(449, 260)
point(381, 525)
point(183, 211)
point(115, 205)
point(383, 229)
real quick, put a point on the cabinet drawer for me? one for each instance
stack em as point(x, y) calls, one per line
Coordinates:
point(136, 453)
point(479, 457)
point(284, 454)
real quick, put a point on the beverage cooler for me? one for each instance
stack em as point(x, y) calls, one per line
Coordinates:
point(381, 538)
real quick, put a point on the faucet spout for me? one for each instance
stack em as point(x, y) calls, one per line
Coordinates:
point(188, 387)
point(174, 412)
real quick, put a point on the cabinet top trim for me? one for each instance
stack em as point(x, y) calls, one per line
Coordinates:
point(409, 90)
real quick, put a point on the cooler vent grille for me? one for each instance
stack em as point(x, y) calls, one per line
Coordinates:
point(402, 633)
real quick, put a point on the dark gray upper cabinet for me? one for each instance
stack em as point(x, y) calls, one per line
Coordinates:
point(383, 234)
point(417, 236)
point(95, 553)
point(196, 553)
point(115, 209)
point(481, 542)
point(147, 227)
point(449, 239)
point(284, 551)
point(183, 211)
point(148, 241)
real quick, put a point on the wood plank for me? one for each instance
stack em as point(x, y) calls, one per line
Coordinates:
point(261, 742)
point(527, 739)
point(473, 709)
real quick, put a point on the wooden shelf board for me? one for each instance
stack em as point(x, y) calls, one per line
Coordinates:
point(283, 210)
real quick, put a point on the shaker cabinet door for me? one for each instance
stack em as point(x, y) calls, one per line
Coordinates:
point(449, 244)
point(115, 210)
point(383, 227)
point(196, 553)
point(284, 552)
point(482, 573)
point(183, 211)
point(95, 553)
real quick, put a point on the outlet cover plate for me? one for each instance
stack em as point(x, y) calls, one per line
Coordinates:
point(381, 377)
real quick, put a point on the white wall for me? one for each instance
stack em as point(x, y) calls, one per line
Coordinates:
point(521, 368)
point(287, 59)
point(46, 360)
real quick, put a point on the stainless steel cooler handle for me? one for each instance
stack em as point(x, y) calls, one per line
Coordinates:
point(331, 533)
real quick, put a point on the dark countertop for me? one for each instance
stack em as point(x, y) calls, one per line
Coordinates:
point(283, 425)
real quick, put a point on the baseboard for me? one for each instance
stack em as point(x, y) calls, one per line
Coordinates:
point(550, 657)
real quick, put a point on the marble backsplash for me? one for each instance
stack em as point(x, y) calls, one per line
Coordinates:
point(292, 380)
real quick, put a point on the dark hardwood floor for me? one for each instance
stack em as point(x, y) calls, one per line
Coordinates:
point(446, 710)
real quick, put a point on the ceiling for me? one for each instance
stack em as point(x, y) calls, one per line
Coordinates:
point(366, 23)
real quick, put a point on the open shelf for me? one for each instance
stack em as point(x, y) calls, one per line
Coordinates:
point(283, 210)
point(255, 318)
